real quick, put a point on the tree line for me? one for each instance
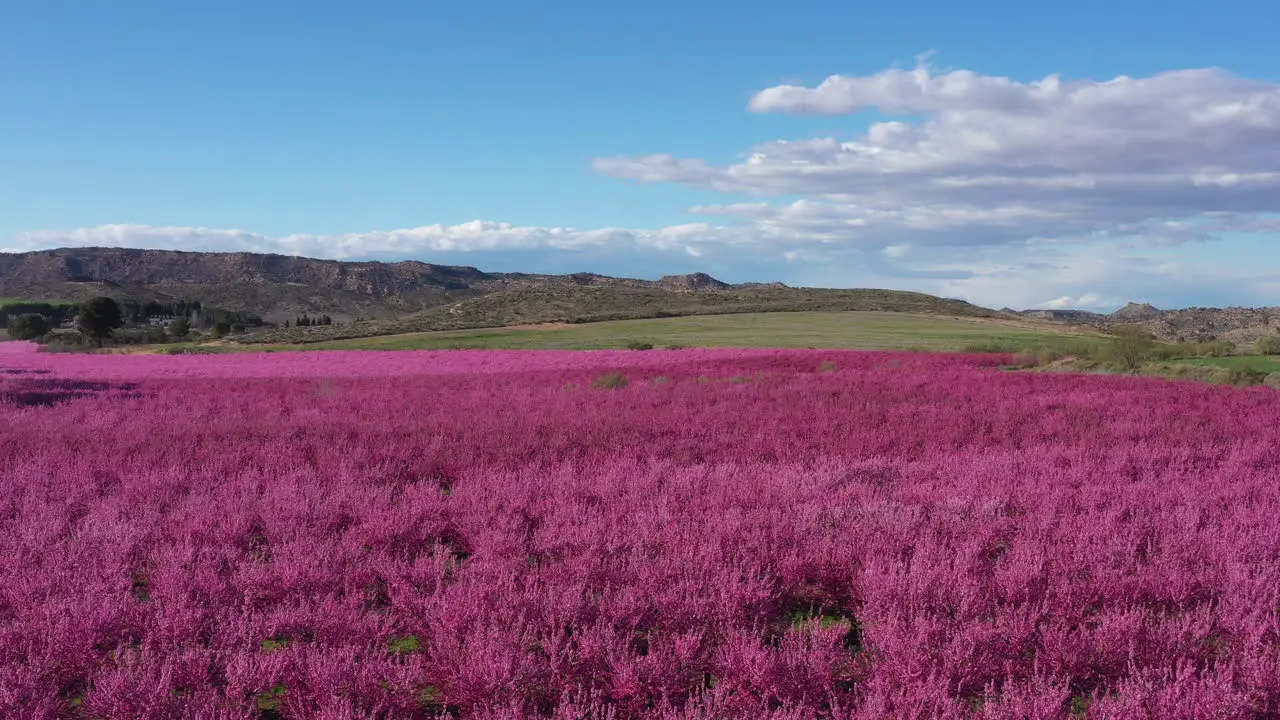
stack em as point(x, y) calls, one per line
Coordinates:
point(304, 321)
point(130, 321)
point(56, 313)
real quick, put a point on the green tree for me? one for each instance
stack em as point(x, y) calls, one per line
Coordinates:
point(28, 327)
point(98, 318)
point(221, 328)
point(1133, 345)
point(180, 328)
point(1269, 345)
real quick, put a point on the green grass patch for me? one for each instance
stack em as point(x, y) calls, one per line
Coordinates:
point(270, 701)
point(403, 645)
point(430, 697)
point(800, 619)
point(273, 644)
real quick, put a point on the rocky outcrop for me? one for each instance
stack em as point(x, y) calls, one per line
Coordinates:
point(691, 283)
point(1240, 325)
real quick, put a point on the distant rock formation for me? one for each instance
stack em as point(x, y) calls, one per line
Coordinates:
point(1241, 325)
point(1137, 312)
point(691, 283)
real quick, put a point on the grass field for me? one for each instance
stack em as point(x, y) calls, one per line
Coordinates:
point(860, 330)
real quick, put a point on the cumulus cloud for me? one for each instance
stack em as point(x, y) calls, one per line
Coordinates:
point(989, 160)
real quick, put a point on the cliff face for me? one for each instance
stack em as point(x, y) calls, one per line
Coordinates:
point(156, 267)
point(273, 285)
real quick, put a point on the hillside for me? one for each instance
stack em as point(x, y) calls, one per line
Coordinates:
point(1241, 325)
point(413, 296)
point(584, 304)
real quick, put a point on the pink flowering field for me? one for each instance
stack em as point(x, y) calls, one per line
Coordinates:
point(662, 534)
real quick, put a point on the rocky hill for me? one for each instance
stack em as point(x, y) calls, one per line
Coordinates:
point(405, 296)
point(1241, 325)
point(275, 286)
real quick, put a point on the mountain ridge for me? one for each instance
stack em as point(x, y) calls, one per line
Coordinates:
point(418, 295)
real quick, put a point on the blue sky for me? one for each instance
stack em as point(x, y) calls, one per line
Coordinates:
point(573, 136)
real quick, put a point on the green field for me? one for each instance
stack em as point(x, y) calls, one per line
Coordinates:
point(860, 330)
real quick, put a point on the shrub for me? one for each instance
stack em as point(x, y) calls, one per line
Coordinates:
point(611, 381)
point(1269, 345)
point(28, 327)
point(139, 336)
point(639, 345)
point(677, 346)
point(1217, 348)
point(1173, 351)
point(1187, 371)
point(1244, 376)
point(65, 344)
point(180, 328)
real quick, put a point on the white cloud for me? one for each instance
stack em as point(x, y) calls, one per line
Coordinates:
point(475, 236)
point(1087, 300)
point(994, 160)
point(1098, 275)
